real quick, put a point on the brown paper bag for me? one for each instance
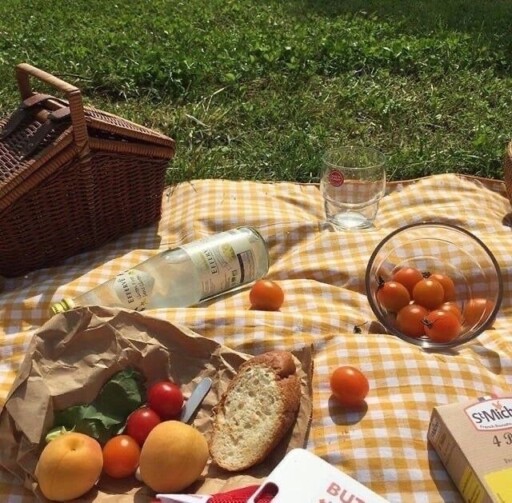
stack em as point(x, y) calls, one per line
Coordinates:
point(72, 356)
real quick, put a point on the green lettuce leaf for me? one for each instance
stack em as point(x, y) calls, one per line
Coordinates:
point(104, 417)
point(121, 395)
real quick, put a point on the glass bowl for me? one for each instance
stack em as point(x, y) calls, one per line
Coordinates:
point(438, 248)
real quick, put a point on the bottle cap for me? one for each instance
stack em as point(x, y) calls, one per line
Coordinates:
point(60, 307)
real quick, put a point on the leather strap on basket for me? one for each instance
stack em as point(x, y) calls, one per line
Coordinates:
point(19, 115)
point(73, 95)
point(58, 116)
point(80, 135)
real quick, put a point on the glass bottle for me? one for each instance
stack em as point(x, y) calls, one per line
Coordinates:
point(182, 276)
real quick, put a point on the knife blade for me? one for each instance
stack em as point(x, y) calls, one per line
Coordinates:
point(195, 400)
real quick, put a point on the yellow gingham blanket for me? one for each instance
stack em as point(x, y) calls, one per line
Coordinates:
point(322, 274)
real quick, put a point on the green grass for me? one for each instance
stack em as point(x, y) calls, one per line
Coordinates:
point(258, 89)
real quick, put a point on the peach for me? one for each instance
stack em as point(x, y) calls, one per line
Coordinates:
point(172, 457)
point(69, 466)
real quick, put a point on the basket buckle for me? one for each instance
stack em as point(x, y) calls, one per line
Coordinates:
point(22, 112)
point(38, 137)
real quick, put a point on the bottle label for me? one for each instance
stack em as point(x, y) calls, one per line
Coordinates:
point(133, 288)
point(222, 264)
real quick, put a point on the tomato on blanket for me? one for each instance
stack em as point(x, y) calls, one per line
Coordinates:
point(266, 295)
point(349, 385)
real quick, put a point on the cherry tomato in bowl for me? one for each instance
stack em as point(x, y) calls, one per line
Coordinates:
point(408, 276)
point(393, 296)
point(266, 295)
point(349, 386)
point(442, 326)
point(409, 320)
point(452, 307)
point(477, 309)
point(166, 399)
point(460, 277)
point(448, 286)
point(428, 293)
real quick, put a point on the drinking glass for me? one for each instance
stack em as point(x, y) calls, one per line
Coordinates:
point(352, 183)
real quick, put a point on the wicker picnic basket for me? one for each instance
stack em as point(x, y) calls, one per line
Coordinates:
point(72, 177)
point(507, 170)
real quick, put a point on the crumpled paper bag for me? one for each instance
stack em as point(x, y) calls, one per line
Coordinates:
point(73, 354)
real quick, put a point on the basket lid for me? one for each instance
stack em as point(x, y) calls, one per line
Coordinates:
point(20, 172)
point(102, 123)
point(16, 167)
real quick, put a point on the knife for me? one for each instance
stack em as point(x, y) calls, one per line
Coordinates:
point(195, 400)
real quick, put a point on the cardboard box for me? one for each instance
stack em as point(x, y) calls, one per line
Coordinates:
point(474, 441)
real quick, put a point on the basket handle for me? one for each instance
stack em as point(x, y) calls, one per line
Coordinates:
point(23, 73)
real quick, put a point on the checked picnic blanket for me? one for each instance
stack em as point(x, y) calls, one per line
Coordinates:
point(322, 273)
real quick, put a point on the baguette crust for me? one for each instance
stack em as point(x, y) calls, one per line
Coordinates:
point(257, 409)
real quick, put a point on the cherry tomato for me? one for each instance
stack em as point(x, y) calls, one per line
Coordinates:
point(408, 276)
point(140, 422)
point(266, 295)
point(447, 284)
point(349, 385)
point(428, 293)
point(121, 456)
point(409, 320)
point(166, 399)
point(476, 310)
point(441, 326)
point(451, 307)
point(392, 296)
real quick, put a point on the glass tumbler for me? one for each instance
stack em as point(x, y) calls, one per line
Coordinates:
point(352, 183)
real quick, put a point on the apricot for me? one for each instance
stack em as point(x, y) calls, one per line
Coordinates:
point(69, 466)
point(172, 457)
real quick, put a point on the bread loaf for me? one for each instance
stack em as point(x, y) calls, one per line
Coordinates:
point(257, 409)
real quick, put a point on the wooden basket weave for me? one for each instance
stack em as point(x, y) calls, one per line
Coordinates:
point(507, 170)
point(72, 178)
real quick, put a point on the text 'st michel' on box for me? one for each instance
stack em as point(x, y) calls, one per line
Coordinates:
point(474, 441)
